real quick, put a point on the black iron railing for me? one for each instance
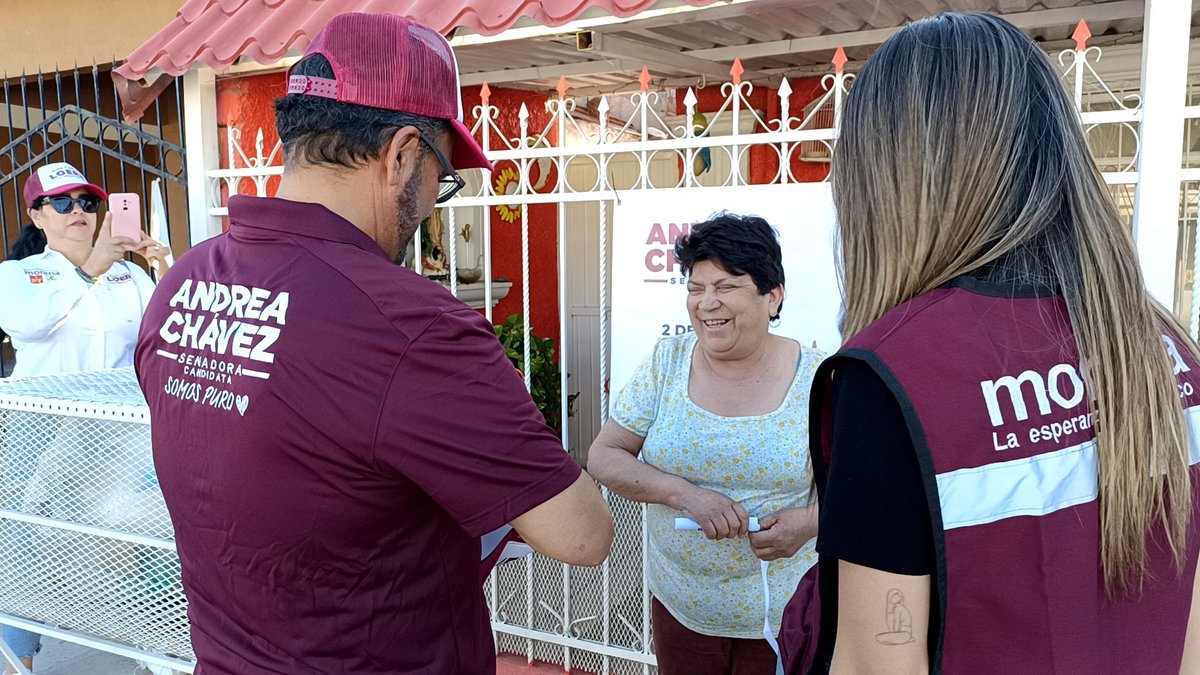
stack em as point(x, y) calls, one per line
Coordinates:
point(75, 116)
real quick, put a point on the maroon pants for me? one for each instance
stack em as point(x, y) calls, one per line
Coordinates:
point(682, 651)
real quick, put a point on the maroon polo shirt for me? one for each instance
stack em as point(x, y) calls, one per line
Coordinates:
point(333, 434)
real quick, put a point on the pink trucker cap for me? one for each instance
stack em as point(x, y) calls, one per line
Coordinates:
point(56, 179)
point(387, 61)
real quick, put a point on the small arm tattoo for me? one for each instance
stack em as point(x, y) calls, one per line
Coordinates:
point(898, 620)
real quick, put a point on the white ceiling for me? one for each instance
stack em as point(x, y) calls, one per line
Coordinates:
point(684, 46)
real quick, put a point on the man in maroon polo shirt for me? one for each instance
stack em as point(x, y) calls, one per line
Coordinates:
point(333, 433)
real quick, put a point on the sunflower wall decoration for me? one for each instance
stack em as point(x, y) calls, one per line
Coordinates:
point(507, 183)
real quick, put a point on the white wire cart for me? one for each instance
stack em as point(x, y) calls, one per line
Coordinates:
point(87, 552)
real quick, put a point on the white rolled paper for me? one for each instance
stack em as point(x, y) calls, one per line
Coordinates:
point(689, 524)
point(768, 630)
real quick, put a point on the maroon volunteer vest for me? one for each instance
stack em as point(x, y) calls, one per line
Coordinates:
point(997, 408)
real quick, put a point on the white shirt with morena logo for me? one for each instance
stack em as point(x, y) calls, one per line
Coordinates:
point(59, 323)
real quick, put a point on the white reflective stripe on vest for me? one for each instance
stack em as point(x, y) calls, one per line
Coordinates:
point(1032, 486)
point(1193, 422)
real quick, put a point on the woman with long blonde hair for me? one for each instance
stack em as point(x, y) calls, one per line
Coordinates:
point(1001, 446)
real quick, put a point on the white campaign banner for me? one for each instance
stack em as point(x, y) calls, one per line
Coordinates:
point(648, 290)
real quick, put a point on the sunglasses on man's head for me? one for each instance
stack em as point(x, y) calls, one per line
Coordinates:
point(65, 204)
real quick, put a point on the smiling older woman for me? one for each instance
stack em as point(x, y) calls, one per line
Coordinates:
point(719, 418)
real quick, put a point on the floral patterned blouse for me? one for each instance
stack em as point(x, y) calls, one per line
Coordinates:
point(715, 587)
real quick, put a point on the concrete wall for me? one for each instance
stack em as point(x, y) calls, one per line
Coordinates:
point(37, 36)
point(109, 171)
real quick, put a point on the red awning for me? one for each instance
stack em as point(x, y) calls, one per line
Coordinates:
point(218, 32)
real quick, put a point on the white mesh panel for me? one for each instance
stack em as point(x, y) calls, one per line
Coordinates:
point(86, 543)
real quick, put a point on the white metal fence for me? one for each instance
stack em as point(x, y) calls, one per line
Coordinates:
point(599, 619)
point(87, 552)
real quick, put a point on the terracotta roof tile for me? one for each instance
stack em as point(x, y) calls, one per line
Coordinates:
point(218, 32)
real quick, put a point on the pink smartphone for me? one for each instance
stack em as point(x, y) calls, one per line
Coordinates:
point(126, 208)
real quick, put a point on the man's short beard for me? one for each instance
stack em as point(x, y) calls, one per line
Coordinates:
point(407, 218)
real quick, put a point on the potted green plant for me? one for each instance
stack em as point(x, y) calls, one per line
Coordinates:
point(544, 374)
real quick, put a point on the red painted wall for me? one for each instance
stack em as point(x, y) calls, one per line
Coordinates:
point(543, 219)
point(247, 103)
point(764, 161)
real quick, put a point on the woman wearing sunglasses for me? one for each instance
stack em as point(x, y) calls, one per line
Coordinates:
point(77, 304)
